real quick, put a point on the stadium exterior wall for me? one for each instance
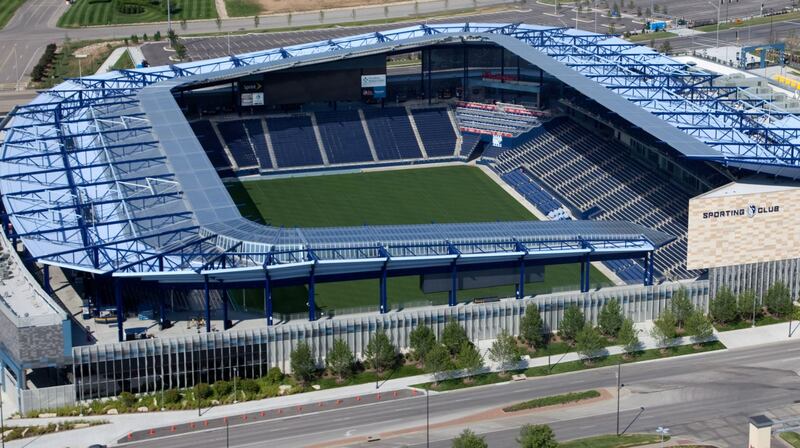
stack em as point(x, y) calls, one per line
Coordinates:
point(142, 366)
point(757, 277)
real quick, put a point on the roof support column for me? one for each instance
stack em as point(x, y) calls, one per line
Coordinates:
point(585, 271)
point(207, 296)
point(225, 299)
point(649, 261)
point(46, 279)
point(162, 321)
point(521, 286)
point(267, 298)
point(453, 299)
point(312, 306)
point(120, 310)
point(384, 308)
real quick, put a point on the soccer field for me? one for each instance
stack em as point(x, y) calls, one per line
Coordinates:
point(121, 12)
point(408, 196)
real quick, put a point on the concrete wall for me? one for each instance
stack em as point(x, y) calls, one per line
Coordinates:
point(757, 277)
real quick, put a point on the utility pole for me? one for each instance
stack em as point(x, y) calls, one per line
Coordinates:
point(619, 387)
point(427, 417)
point(227, 434)
point(169, 17)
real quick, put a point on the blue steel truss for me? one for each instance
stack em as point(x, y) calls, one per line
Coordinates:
point(89, 182)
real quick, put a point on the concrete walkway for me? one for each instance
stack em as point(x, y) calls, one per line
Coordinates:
point(121, 425)
point(111, 60)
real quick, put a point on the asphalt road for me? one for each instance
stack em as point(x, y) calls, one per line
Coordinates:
point(34, 26)
point(680, 393)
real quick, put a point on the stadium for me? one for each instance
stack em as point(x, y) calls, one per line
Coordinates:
point(163, 226)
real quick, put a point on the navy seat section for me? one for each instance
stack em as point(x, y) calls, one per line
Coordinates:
point(211, 144)
point(239, 145)
point(343, 136)
point(436, 131)
point(259, 141)
point(392, 134)
point(293, 141)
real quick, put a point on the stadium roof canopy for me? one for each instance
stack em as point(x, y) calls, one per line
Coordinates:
point(103, 173)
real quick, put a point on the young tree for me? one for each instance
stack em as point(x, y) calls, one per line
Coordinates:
point(380, 353)
point(453, 335)
point(778, 300)
point(469, 358)
point(504, 351)
point(437, 361)
point(340, 360)
point(610, 318)
point(681, 306)
point(629, 338)
point(530, 326)
point(537, 436)
point(664, 328)
point(747, 306)
point(638, 11)
point(302, 362)
point(588, 343)
point(572, 322)
point(218, 21)
point(256, 20)
point(723, 307)
point(666, 47)
point(699, 327)
point(421, 340)
point(468, 439)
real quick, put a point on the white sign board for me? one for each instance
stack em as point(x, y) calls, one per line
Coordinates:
point(373, 80)
point(497, 141)
point(252, 99)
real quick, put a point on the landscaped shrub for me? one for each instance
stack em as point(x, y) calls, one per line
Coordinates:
point(275, 376)
point(172, 396)
point(202, 391)
point(222, 388)
point(250, 387)
point(40, 69)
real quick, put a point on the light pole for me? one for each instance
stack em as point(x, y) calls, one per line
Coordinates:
point(619, 387)
point(235, 374)
point(80, 57)
point(169, 17)
point(427, 417)
point(719, 8)
point(663, 432)
point(227, 434)
point(754, 307)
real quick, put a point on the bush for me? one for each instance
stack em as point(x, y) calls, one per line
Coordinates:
point(629, 338)
point(699, 327)
point(572, 323)
point(778, 300)
point(250, 386)
point(537, 436)
point(172, 396)
point(39, 70)
point(340, 359)
point(380, 353)
point(504, 351)
point(468, 439)
point(747, 306)
point(421, 340)
point(222, 388)
point(303, 365)
point(723, 307)
point(453, 335)
point(588, 342)
point(437, 361)
point(127, 399)
point(202, 391)
point(531, 327)
point(664, 328)
point(682, 307)
point(274, 375)
point(610, 319)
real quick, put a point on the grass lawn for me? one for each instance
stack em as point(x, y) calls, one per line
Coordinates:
point(756, 21)
point(124, 62)
point(760, 321)
point(792, 438)
point(647, 36)
point(574, 366)
point(7, 10)
point(572, 397)
point(613, 441)
point(242, 8)
point(412, 196)
point(120, 12)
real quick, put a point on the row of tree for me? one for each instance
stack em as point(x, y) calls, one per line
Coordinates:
point(530, 436)
point(727, 307)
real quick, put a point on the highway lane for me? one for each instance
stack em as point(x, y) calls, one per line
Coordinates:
point(674, 391)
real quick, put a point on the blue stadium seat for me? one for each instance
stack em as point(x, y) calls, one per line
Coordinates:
point(293, 141)
point(236, 138)
point(259, 140)
point(392, 134)
point(436, 131)
point(211, 145)
point(343, 136)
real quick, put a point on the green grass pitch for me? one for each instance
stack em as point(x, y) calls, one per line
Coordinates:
point(408, 196)
point(113, 12)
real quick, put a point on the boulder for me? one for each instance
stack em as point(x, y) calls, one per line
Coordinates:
point(316, 387)
point(142, 409)
point(112, 411)
point(48, 415)
point(283, 389)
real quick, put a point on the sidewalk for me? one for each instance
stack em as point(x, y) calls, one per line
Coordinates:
point(121, 425)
